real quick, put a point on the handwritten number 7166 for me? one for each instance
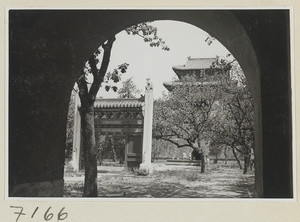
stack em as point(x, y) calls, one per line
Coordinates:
point(47, 216)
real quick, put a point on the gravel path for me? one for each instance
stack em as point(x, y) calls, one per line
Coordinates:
point(167, 182)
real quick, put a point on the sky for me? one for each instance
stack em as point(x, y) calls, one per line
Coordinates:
point(183, 39)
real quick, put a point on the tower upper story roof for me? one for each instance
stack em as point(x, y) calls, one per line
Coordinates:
point(201, 68)
point(196, 64)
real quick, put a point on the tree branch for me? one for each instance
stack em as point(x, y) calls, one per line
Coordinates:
point(99, 74)
point(173, 142)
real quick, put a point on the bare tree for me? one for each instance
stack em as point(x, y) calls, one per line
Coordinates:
point(235, 124)
point(186, 114)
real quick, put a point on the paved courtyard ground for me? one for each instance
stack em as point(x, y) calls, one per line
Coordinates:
point(166, 182)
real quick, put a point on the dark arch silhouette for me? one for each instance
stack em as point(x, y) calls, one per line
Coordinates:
point(46, 53)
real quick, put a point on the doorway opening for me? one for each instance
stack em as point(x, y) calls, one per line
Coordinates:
point(217, 153)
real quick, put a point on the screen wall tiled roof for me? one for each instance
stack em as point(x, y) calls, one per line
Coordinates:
point(118, 103)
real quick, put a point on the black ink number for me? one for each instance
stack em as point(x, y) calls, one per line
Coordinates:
point(61, 215)
point(48, 216)
point(18, 213)
point(34, 212)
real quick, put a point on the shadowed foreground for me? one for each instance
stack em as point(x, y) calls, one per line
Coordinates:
point(166, 182)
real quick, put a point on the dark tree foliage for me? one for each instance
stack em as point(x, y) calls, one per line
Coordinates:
point(149, 34)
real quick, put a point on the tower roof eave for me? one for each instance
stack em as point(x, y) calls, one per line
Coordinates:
point(170, 85)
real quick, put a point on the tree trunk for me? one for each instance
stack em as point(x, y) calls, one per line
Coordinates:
point(237, 159)
point(100, 157)
point(246, 163)
point(200, 151)
point(202, 163)
point(216, 160)
point(90, 152)
point(99, 149)
point(225, 155)
point(115, 157)
point(87, 98)
point(121, 161)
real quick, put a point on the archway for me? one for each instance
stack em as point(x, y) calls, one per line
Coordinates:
point(47, 48)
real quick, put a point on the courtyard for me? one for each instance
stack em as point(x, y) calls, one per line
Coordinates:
point(167, 181)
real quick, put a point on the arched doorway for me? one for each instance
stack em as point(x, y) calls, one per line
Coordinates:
point(48, 48)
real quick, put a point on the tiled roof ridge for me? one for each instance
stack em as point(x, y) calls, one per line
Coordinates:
point(118, 99)
point(111, 103)
point(170, 83)
point(196, 63)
